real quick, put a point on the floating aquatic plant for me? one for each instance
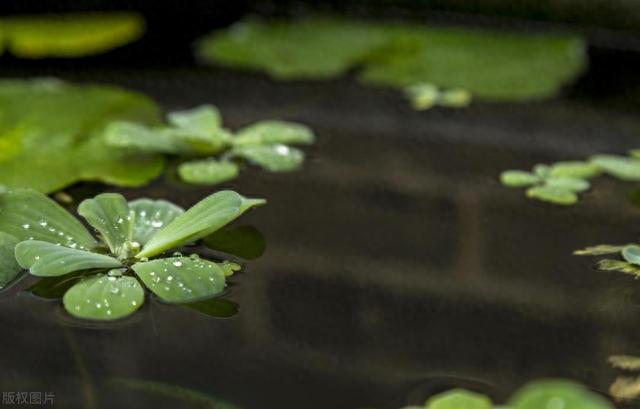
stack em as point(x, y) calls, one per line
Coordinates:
point(561, 182)
point(211, 153)
point(68, 35)
point(628, 260)
point(490, 65)
point(130, 254)
point(534, 395)
point(425, 95)
point(51, 135)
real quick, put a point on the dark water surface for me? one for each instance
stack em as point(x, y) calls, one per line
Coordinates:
point(396, 265)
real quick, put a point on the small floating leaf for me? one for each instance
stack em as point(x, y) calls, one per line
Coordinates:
point(110, 215)
point(130, 135)
point(246, 242)
point(622, 167)
point(455, 98)
point(275, 158)
point(557, 394)
point(208, 171)
point(574, 169)
point(625, 388)
point(543, 171)
point(204, 218)
point(69, 35)
point(181, 279)
point(599, 250)
point(518, 178)
point(553, 194)
point(104, 298)
point(459, 399)
point(627, 362)
point(44, 259)
point(631, 253)
point(215, 307)
point(270, 132)
point(423, 96)
point(150, 216)
point(202, 120)
point(572, 184)
point(229, 268)
point(9, 267)
point(618, 265)
point(27, 214)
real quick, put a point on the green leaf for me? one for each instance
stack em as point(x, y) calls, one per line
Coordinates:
point(9, 267)
point(110, 215)
point(618, 265)
point(56, 287)
point(555, 393)
point(600, 250)
point(574, 185)
point(543, 171)
point(201, 220)
point(229, 268)
point(129, 135)
point(422, 95)
point(61, 135)
point(635, 153)
point(331, 47)
point(103, 297)
point(631, 253)
point(455, 98)
point(621, 167)
point(215, 307)
point(552, 194)
point(272, 132)
point(202, 120)
point(150, 216)
point(208, 171)
point(27, 214)
point(69, 35)
point(44, 259)
point(574, 170)
point(246, 242)
point(459, 399)
point(181, 279)
point(274, 158)
point(518, 178)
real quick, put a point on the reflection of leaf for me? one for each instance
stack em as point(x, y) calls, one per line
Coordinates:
point(61, 135)
point(69, 35)
point(274, 158)
point(618, 265)
point(246, 242)
point(207, 171)
point(627, 362)
point(9, 267)
point(556, 394)
point(625, 388)
point(44, 259)
point(599, 250)
point(631, 253)
point(622, 167)
point(181, 279)
point(216, 307)
point(204, 218)
point(55, 287)
point(459, 399)
point(103, 297)
point(173, 391)
point(553, 194)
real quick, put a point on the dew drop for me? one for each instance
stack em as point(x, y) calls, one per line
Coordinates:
point(177, 263)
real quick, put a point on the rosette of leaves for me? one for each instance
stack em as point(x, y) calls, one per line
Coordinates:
point(627, 257)
point(559, 183)
point(130, 253)
point(534, 395)
point(211, 154)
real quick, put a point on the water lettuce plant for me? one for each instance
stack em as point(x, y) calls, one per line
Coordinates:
point(627, 257)
point(130, 253)
point(209, 153)
point(560, 182)
point(490, 65)
point(68, 35)
point(534, 395)
point(51, 135)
